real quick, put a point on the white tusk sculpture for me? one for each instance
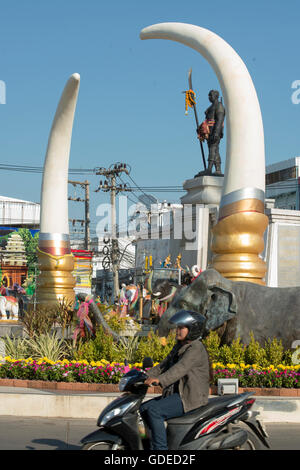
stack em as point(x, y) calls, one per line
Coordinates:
point(56, 262)
point(238, 235)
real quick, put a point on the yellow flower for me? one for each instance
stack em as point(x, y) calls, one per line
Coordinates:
point(217, 364)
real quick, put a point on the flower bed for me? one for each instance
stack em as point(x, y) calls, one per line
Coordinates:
point(281, 376)
point(103, 372)
point(64, 371)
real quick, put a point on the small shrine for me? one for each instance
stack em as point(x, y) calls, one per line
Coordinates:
point(13, 261)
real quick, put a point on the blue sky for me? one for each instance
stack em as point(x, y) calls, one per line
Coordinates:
point(130, 106)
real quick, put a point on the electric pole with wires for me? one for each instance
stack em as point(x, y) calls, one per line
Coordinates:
point(86, 222)
point(110, 185)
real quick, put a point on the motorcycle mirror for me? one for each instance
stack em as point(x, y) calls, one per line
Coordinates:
point(147, 363)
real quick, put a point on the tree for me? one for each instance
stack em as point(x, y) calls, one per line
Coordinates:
point(31, 244)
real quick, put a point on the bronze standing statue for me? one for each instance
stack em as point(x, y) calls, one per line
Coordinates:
point(211, 130)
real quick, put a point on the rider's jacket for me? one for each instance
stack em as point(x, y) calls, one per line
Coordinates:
point(190, 370)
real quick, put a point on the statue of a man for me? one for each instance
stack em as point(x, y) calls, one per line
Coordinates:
point(211, 130)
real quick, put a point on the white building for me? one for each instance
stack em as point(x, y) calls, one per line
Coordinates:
point(155, 235)
point(19, 213)
point(282, 183)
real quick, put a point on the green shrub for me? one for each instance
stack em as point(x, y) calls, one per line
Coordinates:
point(155, 347)
point(254, 353)
point(237, 351)
point(16, 348)
point(127, 348)
point(100, 347)
point(116, 324)
point(49, 346)
point(225, 356)
point(65, 316)
point(274, 351)
point(212, 343)
point(287, 357)
point(233, 354)
point(39, 319)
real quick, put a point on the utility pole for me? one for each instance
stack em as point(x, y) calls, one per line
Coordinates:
point(110, 185)
point(86, 200)
point(87, 236)
point(114, 241)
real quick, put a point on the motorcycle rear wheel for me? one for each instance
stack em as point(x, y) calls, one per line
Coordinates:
point(252, 442)
point(102, 446)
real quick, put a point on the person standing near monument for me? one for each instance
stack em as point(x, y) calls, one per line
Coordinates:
point(211, 130)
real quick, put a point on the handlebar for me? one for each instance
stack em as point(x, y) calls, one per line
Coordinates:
point(154, 384)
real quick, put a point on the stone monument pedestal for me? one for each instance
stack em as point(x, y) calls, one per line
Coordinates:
point(205, 190)
point(204, 194)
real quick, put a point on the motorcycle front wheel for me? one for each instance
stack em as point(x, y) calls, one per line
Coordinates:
point(102, 446)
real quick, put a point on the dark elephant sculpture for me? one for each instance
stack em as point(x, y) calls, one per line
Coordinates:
point(165, 290)
point(235, 309)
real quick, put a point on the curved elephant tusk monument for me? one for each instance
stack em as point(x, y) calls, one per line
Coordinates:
point(56, 263)
point(238, 235)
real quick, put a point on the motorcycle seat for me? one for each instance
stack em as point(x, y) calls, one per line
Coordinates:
point(213, 405)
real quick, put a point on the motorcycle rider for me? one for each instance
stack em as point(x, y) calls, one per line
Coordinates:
point(184, 375)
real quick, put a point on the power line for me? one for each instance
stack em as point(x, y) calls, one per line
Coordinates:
point(40, 169)
point(134, 202)
point(37, 169)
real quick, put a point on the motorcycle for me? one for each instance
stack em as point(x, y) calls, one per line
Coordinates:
point(224, 423)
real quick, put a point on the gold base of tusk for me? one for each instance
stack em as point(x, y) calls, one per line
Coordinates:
point(237, 242)
point(55, 281)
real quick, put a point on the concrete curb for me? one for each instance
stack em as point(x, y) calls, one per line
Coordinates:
point(114, 388)
point(29, 402)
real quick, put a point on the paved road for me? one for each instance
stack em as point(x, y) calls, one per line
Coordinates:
point(65, 434)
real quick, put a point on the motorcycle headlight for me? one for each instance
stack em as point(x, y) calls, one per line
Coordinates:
point(108, 416)
point(105, 417)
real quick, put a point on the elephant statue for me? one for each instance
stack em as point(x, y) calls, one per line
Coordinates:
point(128, 299)
point(96, 315)
point(9, 305)
point(163, 292)
point(20, 294)
point(235, 309)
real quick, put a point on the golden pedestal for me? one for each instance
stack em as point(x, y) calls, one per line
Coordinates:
point(55, 281)
point(237, 242)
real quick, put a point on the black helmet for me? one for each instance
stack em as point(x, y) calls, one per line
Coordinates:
point(195, 322)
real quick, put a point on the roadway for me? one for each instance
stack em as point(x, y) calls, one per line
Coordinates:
point(24, 433)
